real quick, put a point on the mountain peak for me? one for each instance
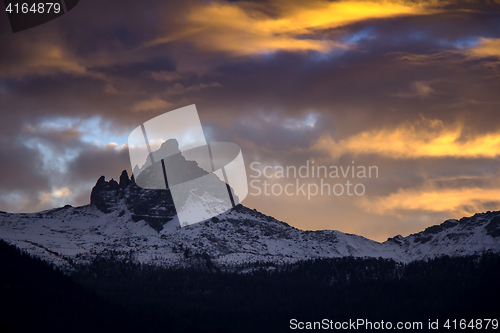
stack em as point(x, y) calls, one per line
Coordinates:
point(124, 180)
point(154, 206)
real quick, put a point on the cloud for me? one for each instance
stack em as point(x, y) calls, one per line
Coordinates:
point(48, 164)
point(431, 196)
point(111, 158)
point(150, 104)
point(418, 89)
point(58, 137)
point(249, 28)
point(109, 89)
point(179, 88)
point(43, 57)
point(427, 138)
point(486, 47)
point(484, 53)
point(487, 50)
point(57, 194)
point(167, 76)
point(20, 167)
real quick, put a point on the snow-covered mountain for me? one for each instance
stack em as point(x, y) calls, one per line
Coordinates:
point(127, 221)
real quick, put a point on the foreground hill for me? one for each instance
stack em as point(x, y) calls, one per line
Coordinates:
point(113, 295)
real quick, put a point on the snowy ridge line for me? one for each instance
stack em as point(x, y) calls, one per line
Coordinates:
point(241, 236)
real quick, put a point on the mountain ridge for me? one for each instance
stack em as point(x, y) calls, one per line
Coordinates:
point(127, 221)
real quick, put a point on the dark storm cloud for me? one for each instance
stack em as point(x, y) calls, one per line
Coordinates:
point(366, 82)
point(94, 161)
point(21, 167)
point(112, 75)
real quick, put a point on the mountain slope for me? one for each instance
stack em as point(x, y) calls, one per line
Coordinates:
point(469, 235)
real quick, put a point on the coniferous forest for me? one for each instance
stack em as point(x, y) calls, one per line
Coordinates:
point(110, 295)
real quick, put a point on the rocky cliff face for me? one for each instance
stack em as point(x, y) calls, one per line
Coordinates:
point(156, 207)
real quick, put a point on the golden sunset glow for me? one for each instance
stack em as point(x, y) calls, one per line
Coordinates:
point(58, 193)
point(44, 58)
point(460, 201)
point(150, 104)
point(487, 47)
point(243, 28)
point(426, 138)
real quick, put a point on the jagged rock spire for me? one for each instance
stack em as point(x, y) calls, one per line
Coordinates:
point(124, 180)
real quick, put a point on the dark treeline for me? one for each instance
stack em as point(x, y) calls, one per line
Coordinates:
point(36, 297)
point(264, 299)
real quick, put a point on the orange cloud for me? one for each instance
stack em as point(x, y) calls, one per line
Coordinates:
point(418, 89)
point(58, 193)
point(150, 104)
point(432, 198)
point(426, 138)
point(486, 47)
point(245, 28)
point(39, 57)
point(49, 54)
point(487, 50)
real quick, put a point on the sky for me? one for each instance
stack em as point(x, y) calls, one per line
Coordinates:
point(409, 87)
